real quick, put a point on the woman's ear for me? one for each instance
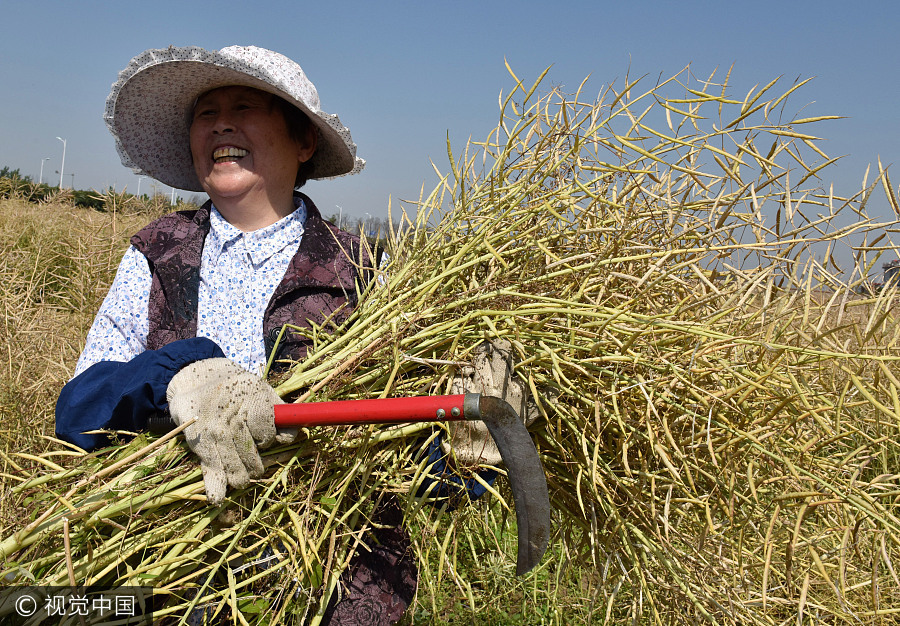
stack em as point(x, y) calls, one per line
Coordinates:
point(307, 147)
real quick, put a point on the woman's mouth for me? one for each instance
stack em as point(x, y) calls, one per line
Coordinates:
point(221, 155)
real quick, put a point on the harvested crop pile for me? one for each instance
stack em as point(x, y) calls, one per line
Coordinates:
point(719, 408)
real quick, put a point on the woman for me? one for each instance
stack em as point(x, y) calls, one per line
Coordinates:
point(200, 296)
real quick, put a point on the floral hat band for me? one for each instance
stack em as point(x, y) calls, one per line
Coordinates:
point(148, 109)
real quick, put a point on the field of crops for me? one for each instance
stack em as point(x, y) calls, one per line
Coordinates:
point(720, 408)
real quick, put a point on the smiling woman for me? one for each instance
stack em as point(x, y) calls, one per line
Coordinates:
point(245, 156)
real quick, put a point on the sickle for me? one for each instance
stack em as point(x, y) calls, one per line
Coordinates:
point(526, 475)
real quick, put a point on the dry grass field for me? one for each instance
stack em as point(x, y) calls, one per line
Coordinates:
point(56, 264)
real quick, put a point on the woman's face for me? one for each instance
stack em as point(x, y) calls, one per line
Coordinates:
point(241, 146)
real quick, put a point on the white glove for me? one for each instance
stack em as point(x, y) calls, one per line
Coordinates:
point(492, 375)
point(234, 417)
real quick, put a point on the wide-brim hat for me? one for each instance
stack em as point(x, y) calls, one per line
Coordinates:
point(148, 109)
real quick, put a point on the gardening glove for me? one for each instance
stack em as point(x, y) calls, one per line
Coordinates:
point(491, 374)
point(234, 418)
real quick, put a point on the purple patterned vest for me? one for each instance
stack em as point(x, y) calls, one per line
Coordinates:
point(319, 280)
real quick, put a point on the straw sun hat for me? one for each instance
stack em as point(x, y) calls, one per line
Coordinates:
point(148, 108)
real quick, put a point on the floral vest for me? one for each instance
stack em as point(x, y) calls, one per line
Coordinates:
point(321, 279)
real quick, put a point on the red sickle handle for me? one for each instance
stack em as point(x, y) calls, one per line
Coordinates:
point(380, 411)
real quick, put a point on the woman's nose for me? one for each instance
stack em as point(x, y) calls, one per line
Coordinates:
point(224, 123)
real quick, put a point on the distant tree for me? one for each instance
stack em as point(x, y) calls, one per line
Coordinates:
point(6, 172)
point(88, 199)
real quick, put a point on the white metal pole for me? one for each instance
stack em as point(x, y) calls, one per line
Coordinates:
point(41, 177)
point(62, 167)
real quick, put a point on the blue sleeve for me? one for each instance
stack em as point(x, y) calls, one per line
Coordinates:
point(445, 485)
point(122, 395)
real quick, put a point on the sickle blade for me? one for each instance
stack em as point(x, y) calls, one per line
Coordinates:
point(526, 476)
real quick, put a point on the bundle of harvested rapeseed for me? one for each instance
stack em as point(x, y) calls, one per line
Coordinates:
point(720, 410)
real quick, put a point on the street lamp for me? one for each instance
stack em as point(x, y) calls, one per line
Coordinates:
point(41, 177)
point(63, 165)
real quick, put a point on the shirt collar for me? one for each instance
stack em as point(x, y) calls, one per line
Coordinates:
point(260, 244)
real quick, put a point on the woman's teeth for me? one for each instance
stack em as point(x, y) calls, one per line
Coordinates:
point(226, 154)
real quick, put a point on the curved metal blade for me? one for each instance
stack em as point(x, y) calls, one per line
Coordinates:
point(526, 476)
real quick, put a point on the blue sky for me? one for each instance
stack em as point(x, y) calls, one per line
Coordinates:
point(402, 75)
